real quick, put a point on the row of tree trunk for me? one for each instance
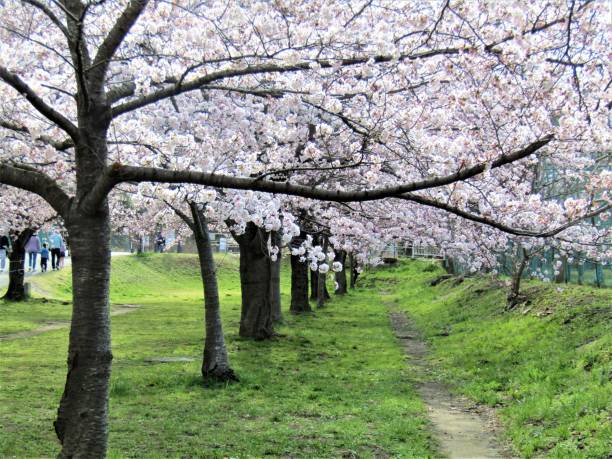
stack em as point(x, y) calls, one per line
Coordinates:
point(261, 307)
point(260, 288)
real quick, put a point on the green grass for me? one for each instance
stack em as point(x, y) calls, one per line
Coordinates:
point(546, 365)
point(137, 279)
point(21, 317)
point(334, 384)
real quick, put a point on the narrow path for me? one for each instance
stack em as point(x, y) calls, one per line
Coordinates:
point(57, 325)
point(67, 262)
point(462, 432)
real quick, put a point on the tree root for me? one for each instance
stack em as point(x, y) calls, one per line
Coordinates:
point(219, 376)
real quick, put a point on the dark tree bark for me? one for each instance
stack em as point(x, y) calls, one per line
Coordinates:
point(215, 364)
point(322, 294)
point(449, 266)
point(599, 275)
point(16, 288)
point(314, 279)
point(314, 275)
point(275, 273)
point(82, 417)
point(314, 286)
point(514, 295)
point(354, 273)
point(255, 274)
point(299, 281)
point(341, 275)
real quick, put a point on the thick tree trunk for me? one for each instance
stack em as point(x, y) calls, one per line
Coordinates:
point(255, 274)
point(299, 282)
point(321, 289)
point(599, 275)
point(353, 274)
point(82, 417)
point(215, 364)
point(514, 296)
point(580, 272)
point(275, 291)
point(16, 288)
point(449, 266)
point(322, 294)
point(341, 275)
point(314, 286)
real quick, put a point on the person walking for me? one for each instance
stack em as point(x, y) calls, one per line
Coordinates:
point(62, 255)
point(5, 247)
point(44, 258)
point(160, 243)
point(32, 248)
point(56, 243)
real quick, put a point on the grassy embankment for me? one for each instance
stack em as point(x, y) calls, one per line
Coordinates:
point(546, 365)
point(334, 385)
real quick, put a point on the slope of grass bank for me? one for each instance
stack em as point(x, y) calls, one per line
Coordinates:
point(134, 279)
point(546, 365)
point(334, 384)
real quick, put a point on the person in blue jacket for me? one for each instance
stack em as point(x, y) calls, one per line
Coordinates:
point(44, 257)
point(56, 243)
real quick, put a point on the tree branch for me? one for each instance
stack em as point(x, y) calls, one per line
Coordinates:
point(51, 114)
point(190, 223)
point(29, 179)
point(495, 224)
point(115, 37)
point(47, 11)
point(181, 87)
point(58, 145)
point(118, 173)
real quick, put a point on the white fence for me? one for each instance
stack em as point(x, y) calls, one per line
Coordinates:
point(412, 250)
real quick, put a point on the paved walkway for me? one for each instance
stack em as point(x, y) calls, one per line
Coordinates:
point(67, 262)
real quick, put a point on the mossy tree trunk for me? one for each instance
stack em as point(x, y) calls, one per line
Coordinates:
point(215, 362)
point(16, 288)
point(82, 417)
point(299, 281)
point(255, 283)
point(514, 295)
point(341, 275)
point(275, 275)
point(322, 293)
point(354, 274)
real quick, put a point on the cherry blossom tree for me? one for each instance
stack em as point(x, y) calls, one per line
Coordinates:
point(409, 97)
point(22, 215)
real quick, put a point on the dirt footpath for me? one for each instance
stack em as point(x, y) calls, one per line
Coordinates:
point(463, 430)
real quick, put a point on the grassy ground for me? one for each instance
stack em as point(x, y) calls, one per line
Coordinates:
point(545, 365)
point(334, 385)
